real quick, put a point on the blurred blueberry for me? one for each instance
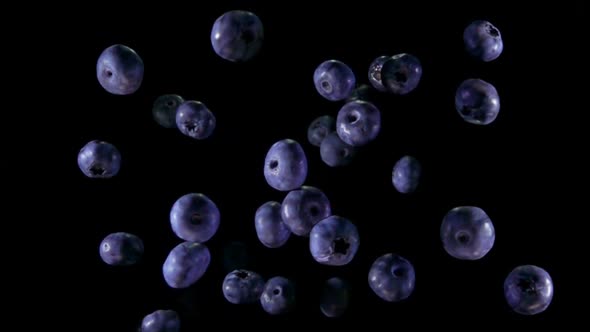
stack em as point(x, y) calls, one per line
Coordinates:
point(285, 165)
point(483, 40)
point(237, 35)
point(119, 70)
point(334, 80)
point(121, 249)
point(477, 101)
point(99, 159)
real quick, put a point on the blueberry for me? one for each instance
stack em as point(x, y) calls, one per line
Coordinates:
point(358, 123)
point(406, 174)
point(242, 287)
point(335, 297)
point(334, 152)
point(186, 264)
point(195, 218)
point(119, 70)
point(303, 208)
point(375, 73)
point(477, 101)
point(401, 73)
point(161, 321)
point(467, 233)
point(334, 80)
point(285, 165)
point(270, 228)
point(334, 241)
point(278, 296)
point(195, 120)
point(361, 92)
point(164, 110)
point(528, 289)
point(121, 249)
point(236, 255)
point(392, 278)
point(320, 128)
point(237, 35)
point(483, 40)
point(98, 159)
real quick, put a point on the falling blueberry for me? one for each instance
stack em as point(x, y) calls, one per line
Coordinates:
point(392, 278)
point(195, 218)
point(236, 255)
point(100, 160)
point(278, 296)
point(237, 35)
point(320, 128)
point(334, 152)
point(195, 120)
point(164, 110)
point(335, 297)
point(375, 73)
point(467, 233)
point(270, 228)
point(358, 123)
point(285, 165)
point(406, 174)
point(334, 241)
point(186, 264)
point(483, 40)
point(119, 70)
point(401, 73)
point(528, 289)
point(477, 101)
point(334, 80)
point(242, 287)
point(361, 92)
point(121, 249)
point(303, 208)
point(161, 321)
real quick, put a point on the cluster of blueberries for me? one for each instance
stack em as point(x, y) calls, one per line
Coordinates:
point(467, 232)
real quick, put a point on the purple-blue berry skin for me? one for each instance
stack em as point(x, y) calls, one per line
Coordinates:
point(285, 165)
point(278, 296)
point(483, 41)
point(334, 80)
point(99, 160)
point(467, 233)
point(119, 70)
point(358, 123)
point(161, 321)
point(164, 110)
point(401, 73)
point(195, 218)
point(335, 153)
point(528, 289)
point(406, 174)
point(335, 297)
point(303, 208)
point(237, 35)
point(195, 120)
point(392, 278)
point(271, 231)
point(477, 101)
point(334, 241)
point(375, 73)
point(319, 128)
point(186, 264)
point(121, 249)
point(243, 287)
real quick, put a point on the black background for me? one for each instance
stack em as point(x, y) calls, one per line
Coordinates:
point(507, 168)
